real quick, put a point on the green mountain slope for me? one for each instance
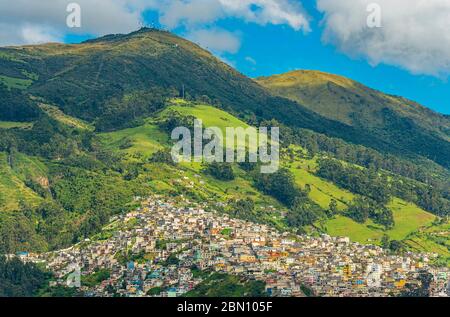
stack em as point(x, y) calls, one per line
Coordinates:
point(116, 79)
point(86, 131)
point(399, 121)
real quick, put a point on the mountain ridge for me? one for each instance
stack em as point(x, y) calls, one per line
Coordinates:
point(95, 80)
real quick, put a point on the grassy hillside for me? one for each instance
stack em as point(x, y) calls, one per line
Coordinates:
point(137, 143)
point(60, 116)
point(408, 217)
point(393, 118)
point(13, 191)
point(12, 125)
point(350, 102)
point(148, 138)
point(211, 116)
point(76, 159)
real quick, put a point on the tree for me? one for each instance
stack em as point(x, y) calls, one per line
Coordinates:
point(302, 213)
point(385, 241)
point(220, 171)
point(20, 280)
point(281, 185)
point(243, 208)
point(332, 208)
point(162, 156)
point(395, 246)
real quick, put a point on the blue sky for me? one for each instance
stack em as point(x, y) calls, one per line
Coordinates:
point(278, 49)
point(409, 56)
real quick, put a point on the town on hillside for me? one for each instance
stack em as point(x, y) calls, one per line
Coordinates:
point(162, 248)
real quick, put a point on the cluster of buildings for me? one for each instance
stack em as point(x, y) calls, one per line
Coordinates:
point(162, 248)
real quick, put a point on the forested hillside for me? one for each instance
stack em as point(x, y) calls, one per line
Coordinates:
point(85, 131)
point(118, 79)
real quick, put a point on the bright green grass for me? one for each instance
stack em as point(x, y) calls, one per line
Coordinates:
point(60, 116)
point(434, 239)
point(12, 188)
point(145, 140)
point(210, 116)
point(15, 83)
point(408, 217)
point(12, 125)
point(345, 227)
point(408, 220)
point(322, 192)
point(27, 167)
point(421, 243)
point(239, 188)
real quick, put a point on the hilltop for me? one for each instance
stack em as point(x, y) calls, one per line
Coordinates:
point(399, 121)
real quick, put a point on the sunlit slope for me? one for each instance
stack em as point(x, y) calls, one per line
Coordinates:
point(145, 140)
point(211, 117)
point(13, 175)
point(401, 122)
point(140, 143)
point(13, 125)
point(348, 101)
point(408, 217)
point(136, 143)
point(85, 79)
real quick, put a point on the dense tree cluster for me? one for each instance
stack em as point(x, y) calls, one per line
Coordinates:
point(127, 110)
point(363, 208)
point(162, 156)
point(20, 280)
point(368, 183)
point(304, 212)
point(281, 185)
point(220, 171)
point(16, 106)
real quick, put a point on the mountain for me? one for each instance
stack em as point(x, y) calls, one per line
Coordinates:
point(86, 79)
point(397, 120)
point(85, 129)
point(114, 80)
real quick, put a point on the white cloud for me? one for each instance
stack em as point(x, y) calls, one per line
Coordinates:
point(174, 13)
point(265, 12)
point(35, 34)
point(30, 21)
point(414, 34)
point(197, 16)
point(217, 40)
